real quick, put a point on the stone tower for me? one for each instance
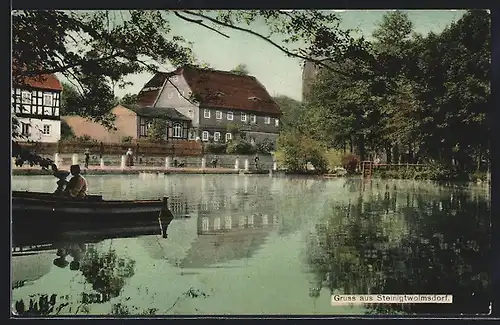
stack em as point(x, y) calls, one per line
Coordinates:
point(309, 75)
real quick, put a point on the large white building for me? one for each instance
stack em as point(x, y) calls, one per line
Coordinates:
point(36, 104)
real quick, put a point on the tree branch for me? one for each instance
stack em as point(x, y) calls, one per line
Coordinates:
point(281, 48)
point(199, 22)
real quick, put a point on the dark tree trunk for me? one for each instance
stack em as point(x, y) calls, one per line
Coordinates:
point(395, 153)
point(388, 154)
point(411, 154)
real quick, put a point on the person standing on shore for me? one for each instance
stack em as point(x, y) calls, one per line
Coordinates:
point(129, 158)
point(87, 157)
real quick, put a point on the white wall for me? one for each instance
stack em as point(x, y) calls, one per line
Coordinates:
point(170, 97)
point(36, 129)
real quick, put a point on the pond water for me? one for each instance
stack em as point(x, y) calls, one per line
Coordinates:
point(270, 245)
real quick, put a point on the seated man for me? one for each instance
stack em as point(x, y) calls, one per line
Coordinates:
point(77, 185)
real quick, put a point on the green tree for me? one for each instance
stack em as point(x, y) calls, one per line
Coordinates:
point(241, 69)
point(400, 243)
point(96, 50)
point(69, 98)
point(157, 130)
point(292, 113)
point(128, 100)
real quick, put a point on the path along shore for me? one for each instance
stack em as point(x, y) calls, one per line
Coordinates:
point(117, 170)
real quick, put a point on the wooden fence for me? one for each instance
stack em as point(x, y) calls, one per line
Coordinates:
point(367, 167)
point(178, 148)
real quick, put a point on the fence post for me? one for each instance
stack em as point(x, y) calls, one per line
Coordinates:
point(237, 164)
point(203, 163)
point(167, 163)
point(74, 159)
point(57, 160)
point(122, 164)
point(101, 149)
point(246, 164)
point(275, 166)
point(102, 163)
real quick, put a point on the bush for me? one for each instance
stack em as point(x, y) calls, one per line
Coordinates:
point(66, 131)
point(241, 147)
point(333, 158)
point(127, 139)
point(267, 146)
point(295, 151)
point(350, 162)
point(81, 139)
point(217, 148)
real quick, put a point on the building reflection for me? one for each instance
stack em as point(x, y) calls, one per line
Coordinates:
point(228, 223)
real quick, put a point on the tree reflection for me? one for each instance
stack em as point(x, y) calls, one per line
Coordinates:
point(407, 243)
point(104, 270)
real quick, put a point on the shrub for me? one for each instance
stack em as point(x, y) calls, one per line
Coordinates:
point(266, 146)
point(241, 147)
point(66, 131)
point(333, 158)
point(217, 148)
point(127, 139)
point(295, 151)
point(350, 162)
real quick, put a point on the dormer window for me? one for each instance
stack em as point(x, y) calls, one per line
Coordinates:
point(219, 94)
point(254, 98)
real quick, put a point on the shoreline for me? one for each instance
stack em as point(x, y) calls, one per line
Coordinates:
point(37, 171)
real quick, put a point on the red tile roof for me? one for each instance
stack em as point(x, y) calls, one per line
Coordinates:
point(46, 81)
point(218, 89)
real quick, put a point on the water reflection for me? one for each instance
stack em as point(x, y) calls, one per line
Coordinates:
point(287, 243)
point(406, 242)
point(100, 267)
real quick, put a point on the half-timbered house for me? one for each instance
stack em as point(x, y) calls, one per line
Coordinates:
point(36, 104)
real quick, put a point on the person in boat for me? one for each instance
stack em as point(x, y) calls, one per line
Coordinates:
point(77, 185)
point(61, 175)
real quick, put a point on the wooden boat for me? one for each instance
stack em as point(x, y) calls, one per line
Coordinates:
point(31, 208)
point(29, 242)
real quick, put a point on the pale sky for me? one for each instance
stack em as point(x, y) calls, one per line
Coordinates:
point(280, 74)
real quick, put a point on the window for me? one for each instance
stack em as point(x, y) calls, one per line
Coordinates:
point(25, 128)
point(229, 136)
point(206, 113)
point(253, 118)
point(267, 120)
point(204, 224)
point(192, 135)
point(47, 100)
point(228, 222)
point(218, 115)
point(243, 117)
point(216, 136)
point(46, 129)
point(229, 116)
point(47, 111)
point(177, 130)
point(217, 223)
point(204, 135)
point(26, 97)
point(276, 122)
